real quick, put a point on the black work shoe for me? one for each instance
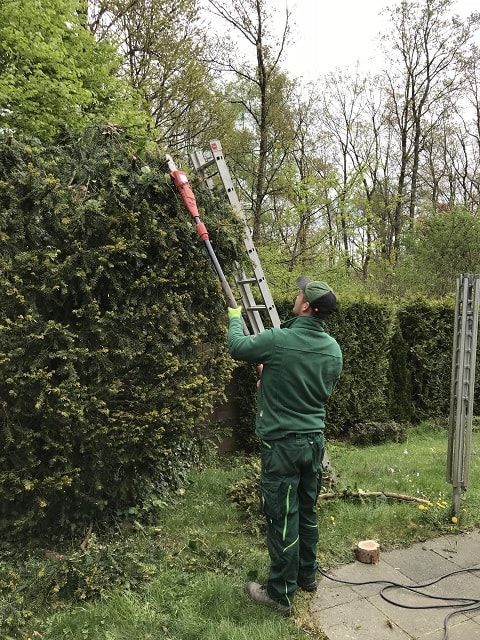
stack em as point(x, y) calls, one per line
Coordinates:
point(307, 586)
point(258, 593)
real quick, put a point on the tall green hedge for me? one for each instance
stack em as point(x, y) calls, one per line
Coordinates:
point(399, 377)
point(363, 330)
point(107, 302)
point(427, 330)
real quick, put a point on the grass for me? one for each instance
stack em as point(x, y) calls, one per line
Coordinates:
point(204, 550)
point(415, 468)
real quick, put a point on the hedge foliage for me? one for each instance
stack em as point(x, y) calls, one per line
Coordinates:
point(427, 330)
point(112, 331)
point(363, 329)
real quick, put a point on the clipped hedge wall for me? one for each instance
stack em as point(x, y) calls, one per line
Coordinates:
point(363, 330)
point(427, 330)
point(107, 299)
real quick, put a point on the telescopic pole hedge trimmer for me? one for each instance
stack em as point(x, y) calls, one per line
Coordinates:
point(180, 181)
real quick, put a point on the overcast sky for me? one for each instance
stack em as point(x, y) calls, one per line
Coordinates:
point(338, 33)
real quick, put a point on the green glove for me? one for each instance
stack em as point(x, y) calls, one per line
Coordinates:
point(234, 313)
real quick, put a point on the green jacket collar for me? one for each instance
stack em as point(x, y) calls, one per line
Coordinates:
point(304, 322)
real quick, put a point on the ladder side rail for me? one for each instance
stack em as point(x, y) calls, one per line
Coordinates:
point(473, 333)
point(453, 385)
point(460, 413)
point(464, 394)
point(248, 241)
point(457, 448)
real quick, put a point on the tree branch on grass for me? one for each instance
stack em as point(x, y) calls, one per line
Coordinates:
point(371, 494)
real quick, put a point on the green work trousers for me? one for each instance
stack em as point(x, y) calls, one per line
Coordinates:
point(290, 483)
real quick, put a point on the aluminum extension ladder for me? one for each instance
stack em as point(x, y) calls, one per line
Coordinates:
point(209, 164)
point(462, 385)
point(203, 163)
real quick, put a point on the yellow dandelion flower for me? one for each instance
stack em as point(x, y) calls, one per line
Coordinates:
point(421, 507)
point(454, 520)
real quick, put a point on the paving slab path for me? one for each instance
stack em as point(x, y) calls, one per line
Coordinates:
point(352, 606)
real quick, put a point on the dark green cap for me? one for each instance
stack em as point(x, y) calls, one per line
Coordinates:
point(319, 295)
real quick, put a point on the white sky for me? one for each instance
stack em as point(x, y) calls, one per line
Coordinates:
point(340, 33)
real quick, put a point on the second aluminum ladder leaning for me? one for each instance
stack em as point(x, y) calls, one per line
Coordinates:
point(462, 389)
point(208, 165)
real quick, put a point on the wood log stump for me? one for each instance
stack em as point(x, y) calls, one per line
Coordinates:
point(368, 551)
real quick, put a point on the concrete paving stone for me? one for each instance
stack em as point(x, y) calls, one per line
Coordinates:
point(465, 630)
point(361, 622)
point(331, 596)
point(474, 614)
point(463, 549)
point(415, 622)
point(420, 564)
point(457, 585)
point(452, 592)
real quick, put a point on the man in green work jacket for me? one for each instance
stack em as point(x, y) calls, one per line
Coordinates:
point(301, 366)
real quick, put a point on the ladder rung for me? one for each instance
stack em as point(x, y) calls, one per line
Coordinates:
point(204, 175)
point(247, 281)
point(212, 175)
point(256, 307)
point(206, 164)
